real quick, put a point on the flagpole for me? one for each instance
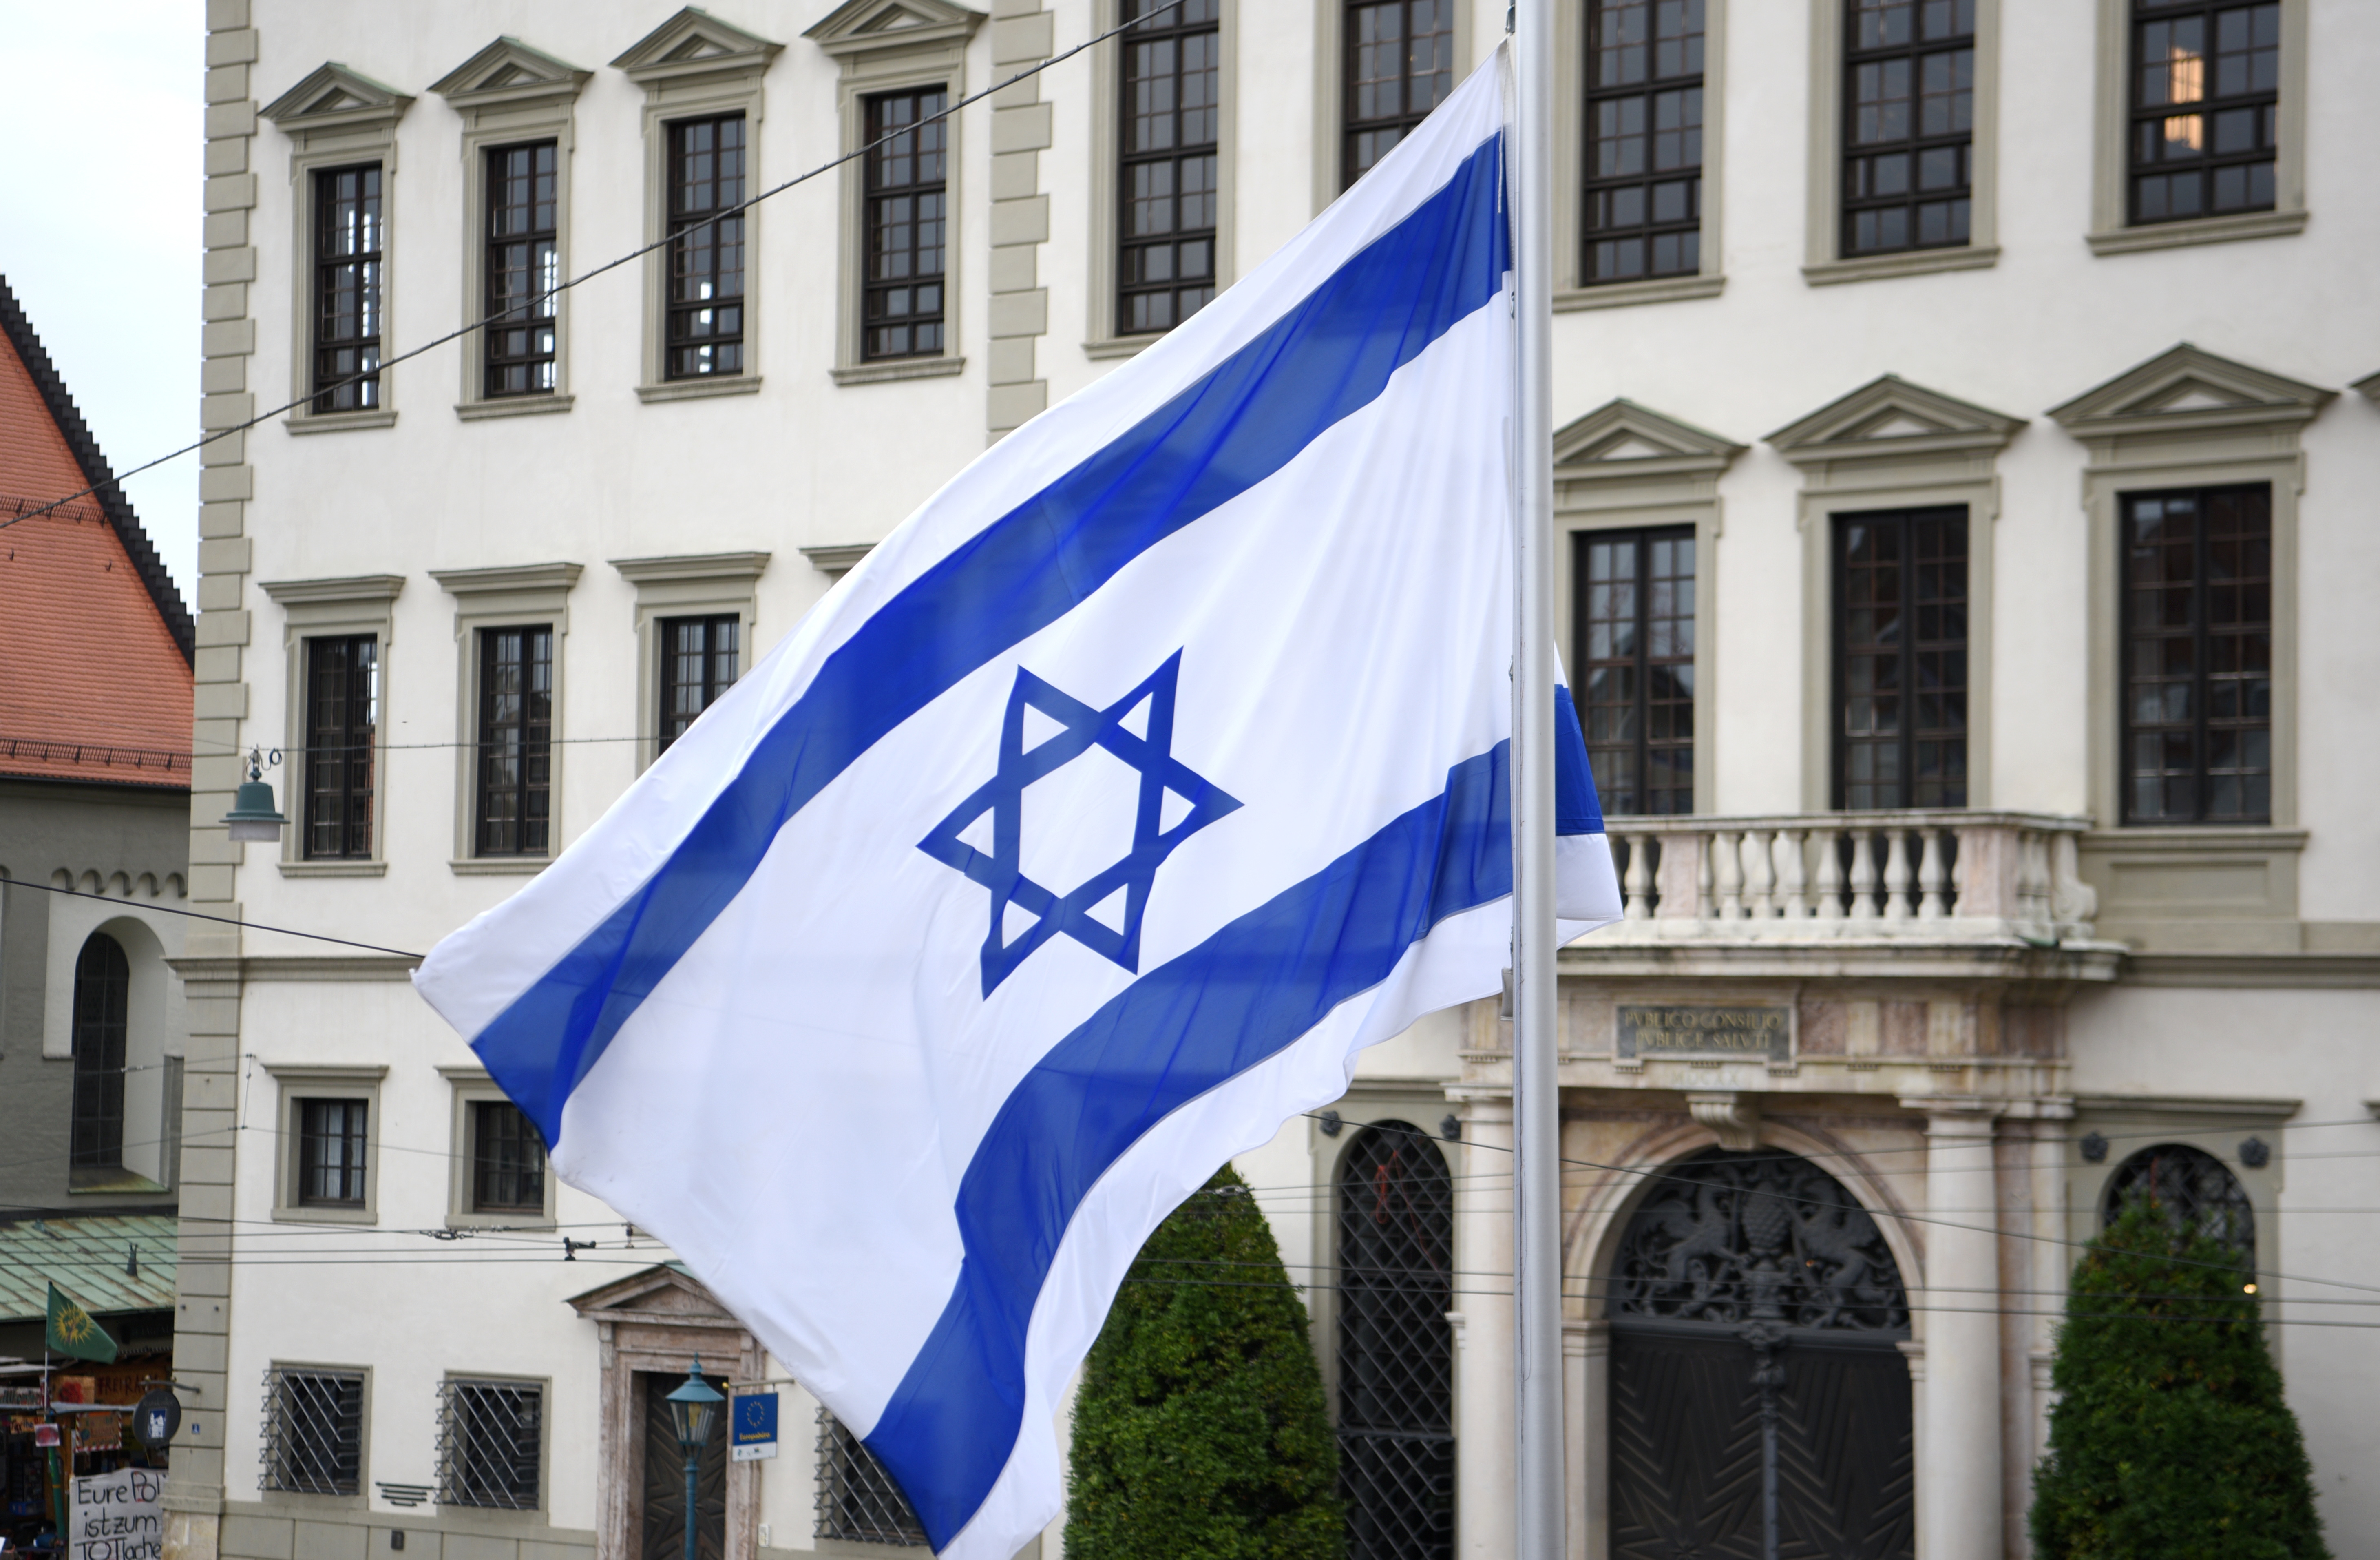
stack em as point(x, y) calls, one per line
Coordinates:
point(1536, 1116)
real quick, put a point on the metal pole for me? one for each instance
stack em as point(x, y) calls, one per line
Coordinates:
point(693, 1473)
point(1536, 1116)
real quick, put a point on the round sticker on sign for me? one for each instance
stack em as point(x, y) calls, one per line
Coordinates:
point(155, 1418)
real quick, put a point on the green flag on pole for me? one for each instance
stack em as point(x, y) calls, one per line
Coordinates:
point(71, 1331)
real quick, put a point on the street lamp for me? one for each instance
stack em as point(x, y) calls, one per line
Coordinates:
point(693, 1408)
point(253, 814)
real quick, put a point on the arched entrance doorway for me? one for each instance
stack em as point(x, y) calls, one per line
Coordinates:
point(1396, 1352)
point(1759, 1407)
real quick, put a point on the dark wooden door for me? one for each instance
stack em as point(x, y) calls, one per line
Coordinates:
point(665, 1480)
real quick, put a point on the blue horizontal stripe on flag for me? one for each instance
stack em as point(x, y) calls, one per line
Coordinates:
point(1326, 359)
point(1245, 995)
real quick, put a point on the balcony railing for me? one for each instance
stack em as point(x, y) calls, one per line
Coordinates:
point(1947, 874)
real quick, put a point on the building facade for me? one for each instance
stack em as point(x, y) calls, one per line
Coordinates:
point(1963, 410)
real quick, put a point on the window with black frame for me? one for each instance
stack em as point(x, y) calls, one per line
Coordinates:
point(704, 333)
point(1644, 140)
point(1400, 66)
point(331, 1145)
point(1173, 115)
point(507, 1160)
point(1909, 106)
point(341, 727)
point(2205, 105)
point(351, 244)
point(2198, 656)
point(524, 265)
point(103, 1001)
point(699, 660)
point(313, 1431)
point(514, 810)
point(907, 224)
point(491, 1444)
point(1633, 597)
point(1900, 659)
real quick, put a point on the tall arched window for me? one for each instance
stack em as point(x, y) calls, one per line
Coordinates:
point(102, 996)
point(2189, 1186)
point(1396, 1354)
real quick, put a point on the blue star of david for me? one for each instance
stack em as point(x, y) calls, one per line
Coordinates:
point(1082, 728)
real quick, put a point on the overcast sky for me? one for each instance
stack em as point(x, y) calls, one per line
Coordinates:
point(100, 165)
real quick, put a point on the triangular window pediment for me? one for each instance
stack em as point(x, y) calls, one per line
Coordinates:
point(1888, 416)
point(333, 95)
point(1899, 425)
point(661, 1291)
point(694, 43)
point(1623, 438)
point(509, 71)
point(2188, 387)
point(859, 25)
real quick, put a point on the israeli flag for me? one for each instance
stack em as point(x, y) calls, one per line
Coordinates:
point(1078, 840)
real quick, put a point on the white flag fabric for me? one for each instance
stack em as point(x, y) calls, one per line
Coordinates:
point(1078, 840)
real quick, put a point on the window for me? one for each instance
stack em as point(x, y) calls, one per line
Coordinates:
point(342, 723)
point(524, 268)
point(491, 1444)
point(102, 999)
point(908, 221)
point(2205, 105)
point(1635, 639)
point(516, 741)
point(331, 1148)
point(1900, 659)
point(698, 663)
point(1173, 69)
point(2198, 656)
point(507, 1160)
point(313, 1431)
point(1908, 123)
point(858, 1500)
point(1643, 139)
point(1400, 66)
point(1396, 1350)
point(706, 271)
point(350, 242)
point(2191, 1189)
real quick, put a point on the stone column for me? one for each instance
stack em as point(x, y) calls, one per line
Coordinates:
point(2051, 1261)
point(1959, 1488)
point(1483, 1412)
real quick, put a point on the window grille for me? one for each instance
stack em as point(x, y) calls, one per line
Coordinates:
point(350, 239)
point(1900, 659)
point(1396, 1353)
point(1171, 117)
point(331, 1148)
point(1399, 65)
point(1635, 597)
point(516, 740)
point(103, 995)
point(706, 277)
point(700, 662)
point(1908, 109)
point(342, 722)
point(1645, 140)
point(491, 1440)
point(2198, 656)
point(507, 1160)
point(2205, 102)
point(858, 1500)
point(313, 1431)
point(2191, 1189)
point(524, 268)
point(908, 224)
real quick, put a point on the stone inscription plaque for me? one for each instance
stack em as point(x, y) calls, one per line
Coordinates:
point(1705, 1029)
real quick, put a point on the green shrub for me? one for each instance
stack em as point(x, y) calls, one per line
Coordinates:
point(1199, 1429)
point(2171, 1440)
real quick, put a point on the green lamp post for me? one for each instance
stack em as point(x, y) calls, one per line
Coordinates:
point(694, 1409)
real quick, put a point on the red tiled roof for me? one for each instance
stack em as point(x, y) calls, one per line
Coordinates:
point(94, 643)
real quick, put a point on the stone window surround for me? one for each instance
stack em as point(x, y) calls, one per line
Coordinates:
point(303, 1080)
point(298, 1501)
point(471, 1086)
point(1825, 263)
point(1848, 467)
point(2112, 164)
point(1100, 339)
point(499, 1519)
point(686, 585)
point(1331, 88)
point(335, 138)
point(1571, 288)
point(2215, 1126)
point(930, 52)
point(364, 603)
point(725, 81)
point(500, 598)
point(1677, 485)
point(538, 108)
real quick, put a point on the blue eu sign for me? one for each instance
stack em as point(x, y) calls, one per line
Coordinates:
point(752, 1426)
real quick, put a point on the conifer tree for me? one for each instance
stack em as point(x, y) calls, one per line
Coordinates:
point(1199, 1428)
point(2171, 1440)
